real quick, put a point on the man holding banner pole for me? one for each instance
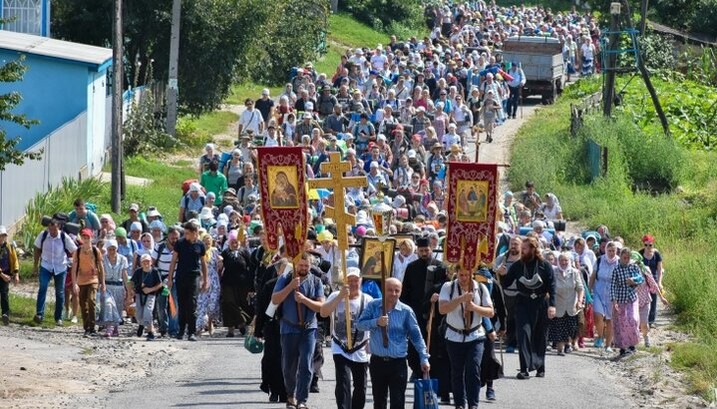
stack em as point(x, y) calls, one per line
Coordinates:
point(350, 361)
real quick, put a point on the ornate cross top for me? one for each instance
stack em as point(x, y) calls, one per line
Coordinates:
point(338, 182)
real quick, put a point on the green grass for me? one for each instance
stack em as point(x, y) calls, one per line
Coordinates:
point(240, 92)
point(214, 123)
point(684, 220)
point(345, 30)
point(22, 312)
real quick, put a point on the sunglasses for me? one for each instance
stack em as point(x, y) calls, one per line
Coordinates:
point(648, 244)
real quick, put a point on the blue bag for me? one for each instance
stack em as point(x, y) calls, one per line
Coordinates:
point(424, 394)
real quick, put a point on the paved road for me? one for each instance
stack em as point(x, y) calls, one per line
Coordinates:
point(221, 373)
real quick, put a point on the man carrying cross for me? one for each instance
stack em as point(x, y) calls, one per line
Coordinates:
point(351, 362)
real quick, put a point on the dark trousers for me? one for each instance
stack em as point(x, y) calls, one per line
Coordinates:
point(347, 369)
point(4, 297)
point(235, 307)
point(187, 289)
point(465, 360)
point(531, 320)
point(388, 375)
point(653, 309)
point(510, 337)
point(513, 100)
point(88, 305)
point(272, 377)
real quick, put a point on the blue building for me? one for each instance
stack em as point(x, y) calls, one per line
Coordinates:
point(28, 16)
point(65, 88)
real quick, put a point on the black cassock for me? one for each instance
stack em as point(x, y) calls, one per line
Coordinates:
point(423, 279)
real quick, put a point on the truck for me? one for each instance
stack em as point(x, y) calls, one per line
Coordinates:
point(541, 59)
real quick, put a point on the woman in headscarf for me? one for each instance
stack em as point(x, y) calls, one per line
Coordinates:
point(208, 302)
point(116, 280)
point(585, 261)
point(237, 285)
point(107, 227)
point(568, 303)
point(600, 288)
point(626, 310)
point(510, 216)
point(551, 208)
point(146, 245)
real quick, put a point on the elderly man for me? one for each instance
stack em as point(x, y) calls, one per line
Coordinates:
point(350, 362)
point(300, 296)
point(251, 119)
point(265, 105)
point(388, 364)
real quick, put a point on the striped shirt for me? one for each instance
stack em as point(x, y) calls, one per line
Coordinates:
point(402, 326)
point(162, 260)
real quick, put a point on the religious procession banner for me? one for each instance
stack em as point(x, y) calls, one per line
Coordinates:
point(283, 197)
point(472, 210)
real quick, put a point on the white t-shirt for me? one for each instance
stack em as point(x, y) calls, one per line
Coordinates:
point(400, 263)
point(588, 51)
point(378, 62)
point(251, 120)
point(339, 329)
point(481, 297)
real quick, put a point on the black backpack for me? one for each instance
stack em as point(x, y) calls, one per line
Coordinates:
point(64, 238)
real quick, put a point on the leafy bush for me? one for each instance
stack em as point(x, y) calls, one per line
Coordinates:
point(58, 199)
point(383, 15)
point(654, 52)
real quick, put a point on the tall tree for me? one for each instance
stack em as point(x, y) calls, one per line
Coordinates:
point(13, 71)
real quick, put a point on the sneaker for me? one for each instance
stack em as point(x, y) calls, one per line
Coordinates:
point(192, 338)
point(509, 350)
point(598, 343)
point(179, 336)
point(608, 350)
point(568, 349)
point(274, 397)
point(73, 319)
point(523, 375)
point(5, 319)
point(647, 337)
point(140, 330)
point(150, 336)
point(58, 323)
point(490, 394)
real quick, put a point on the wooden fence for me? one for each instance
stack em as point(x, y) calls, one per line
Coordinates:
point(590, 104)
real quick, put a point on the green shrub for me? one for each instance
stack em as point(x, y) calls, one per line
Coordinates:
point(381, 16)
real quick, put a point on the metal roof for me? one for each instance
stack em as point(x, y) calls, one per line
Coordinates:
point(96, 57)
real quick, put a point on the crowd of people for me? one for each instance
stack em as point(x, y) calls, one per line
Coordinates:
point(398, 113)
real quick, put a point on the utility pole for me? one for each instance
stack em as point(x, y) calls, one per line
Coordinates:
point(610, 61)
point(173, 85)
point(117, 51)
point(643, 17)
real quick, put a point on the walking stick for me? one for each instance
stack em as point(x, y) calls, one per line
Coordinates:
point(430, 325)
point(500, 345)
point(299, 309)
point(384, 330)
point(347, 300)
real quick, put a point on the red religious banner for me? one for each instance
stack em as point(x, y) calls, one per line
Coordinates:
point(472, 209)
point(283, 197)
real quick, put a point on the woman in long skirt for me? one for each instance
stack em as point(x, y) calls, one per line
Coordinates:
point(626, 310)
point(237, 283)
point(116, 280)
point(208, 303)
point(568, 303)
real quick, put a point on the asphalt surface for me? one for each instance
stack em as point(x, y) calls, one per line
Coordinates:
point(220, 373)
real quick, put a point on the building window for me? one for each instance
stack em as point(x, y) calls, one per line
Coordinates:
point(26, 16)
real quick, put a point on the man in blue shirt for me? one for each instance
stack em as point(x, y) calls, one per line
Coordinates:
point(298, 333)
point(388, 368)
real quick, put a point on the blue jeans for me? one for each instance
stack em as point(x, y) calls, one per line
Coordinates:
point(167, 323)
point(296, 353)
point(45, 277)
point(465, 358)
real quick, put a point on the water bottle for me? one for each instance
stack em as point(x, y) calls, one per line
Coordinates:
point(165, 291)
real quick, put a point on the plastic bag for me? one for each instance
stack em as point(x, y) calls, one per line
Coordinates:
point(107, 311)
point(425, 396)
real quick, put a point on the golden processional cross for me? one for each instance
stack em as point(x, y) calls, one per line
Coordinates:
point(338, 182)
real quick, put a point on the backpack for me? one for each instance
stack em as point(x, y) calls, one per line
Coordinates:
point(443, 326)
point(160, 249)
point(64, 237)
point(357, 345)
point(186, 201)
point(95, 250)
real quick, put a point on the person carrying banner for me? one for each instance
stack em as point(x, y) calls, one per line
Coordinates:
point(464, 302)
point(350, 362)
point(298, 328)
